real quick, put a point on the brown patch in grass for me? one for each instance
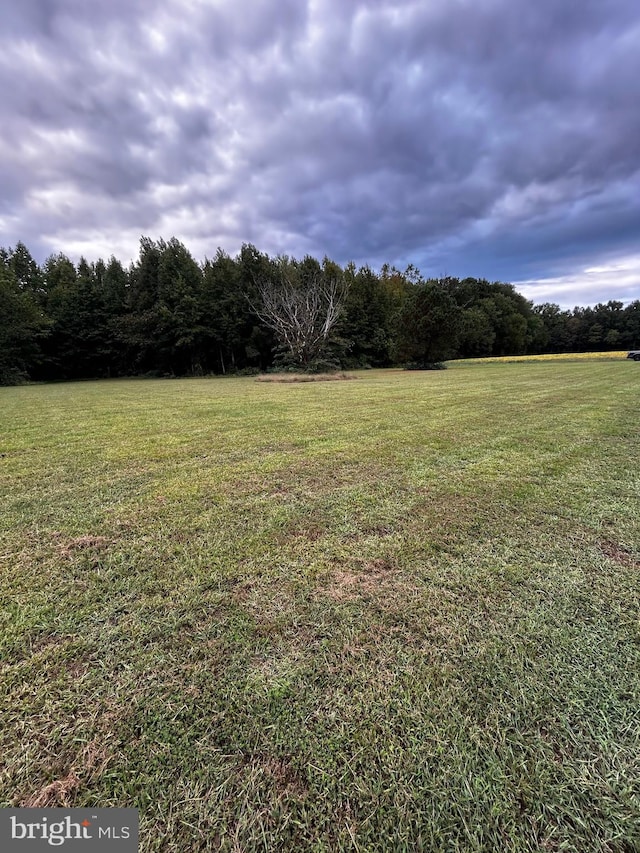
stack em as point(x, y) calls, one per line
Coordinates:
point(58, 794)
point(61, 793)
point(372, 577)
point(285, 778)
point(78, 668)
point(619, 554)
point(304, 528)
point(379, 530)
point(68, 547)
point(303, 377)
point(279, 772)
point(45, 642)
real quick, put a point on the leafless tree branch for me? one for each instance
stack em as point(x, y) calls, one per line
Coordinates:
point(301, 314)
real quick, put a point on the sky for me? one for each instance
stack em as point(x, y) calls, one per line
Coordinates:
point(498, 139)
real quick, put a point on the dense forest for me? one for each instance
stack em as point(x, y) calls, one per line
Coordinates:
point(168, 315)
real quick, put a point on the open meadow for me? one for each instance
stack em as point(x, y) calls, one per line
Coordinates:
point(399, 613)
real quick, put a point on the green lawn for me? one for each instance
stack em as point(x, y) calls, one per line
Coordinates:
point(393, 614)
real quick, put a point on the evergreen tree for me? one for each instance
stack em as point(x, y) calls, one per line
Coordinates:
point(27, 273)
point(368, 321)
point(112, 282)
point(179, 329)
point(23, 326)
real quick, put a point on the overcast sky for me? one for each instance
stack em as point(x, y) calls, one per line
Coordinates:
point(491, 138)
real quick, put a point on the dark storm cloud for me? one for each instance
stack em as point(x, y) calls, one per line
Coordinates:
point(496, 138)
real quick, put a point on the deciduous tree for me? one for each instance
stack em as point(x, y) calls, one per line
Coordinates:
point(302, 304)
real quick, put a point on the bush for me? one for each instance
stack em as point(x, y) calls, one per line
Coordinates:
point(12, 376)
point(247, 371)
point(426, 365)
point(322, 365)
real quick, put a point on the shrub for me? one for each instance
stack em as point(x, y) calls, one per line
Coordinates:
point(425, 365)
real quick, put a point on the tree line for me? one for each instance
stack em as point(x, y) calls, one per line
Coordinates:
point(167, 314)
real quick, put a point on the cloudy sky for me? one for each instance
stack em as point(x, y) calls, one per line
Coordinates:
point(492, 138)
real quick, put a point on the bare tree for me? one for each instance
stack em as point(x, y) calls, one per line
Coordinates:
point(301, 313)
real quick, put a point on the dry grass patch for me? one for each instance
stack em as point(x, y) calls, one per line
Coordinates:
point(373, 578)
point(61, 793)
point(68, 547)
point(279, 774)
point(58, 794)
point(619, 554)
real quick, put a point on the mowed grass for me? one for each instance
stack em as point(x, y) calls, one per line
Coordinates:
point(393, 614)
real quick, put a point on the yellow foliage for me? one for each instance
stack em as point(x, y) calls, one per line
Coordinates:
point(561, 356)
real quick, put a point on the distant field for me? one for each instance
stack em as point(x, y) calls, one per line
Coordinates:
point(398, 613)
point(560, 356)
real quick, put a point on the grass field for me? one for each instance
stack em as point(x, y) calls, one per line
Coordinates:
point(558, 356)
point(398, 613)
